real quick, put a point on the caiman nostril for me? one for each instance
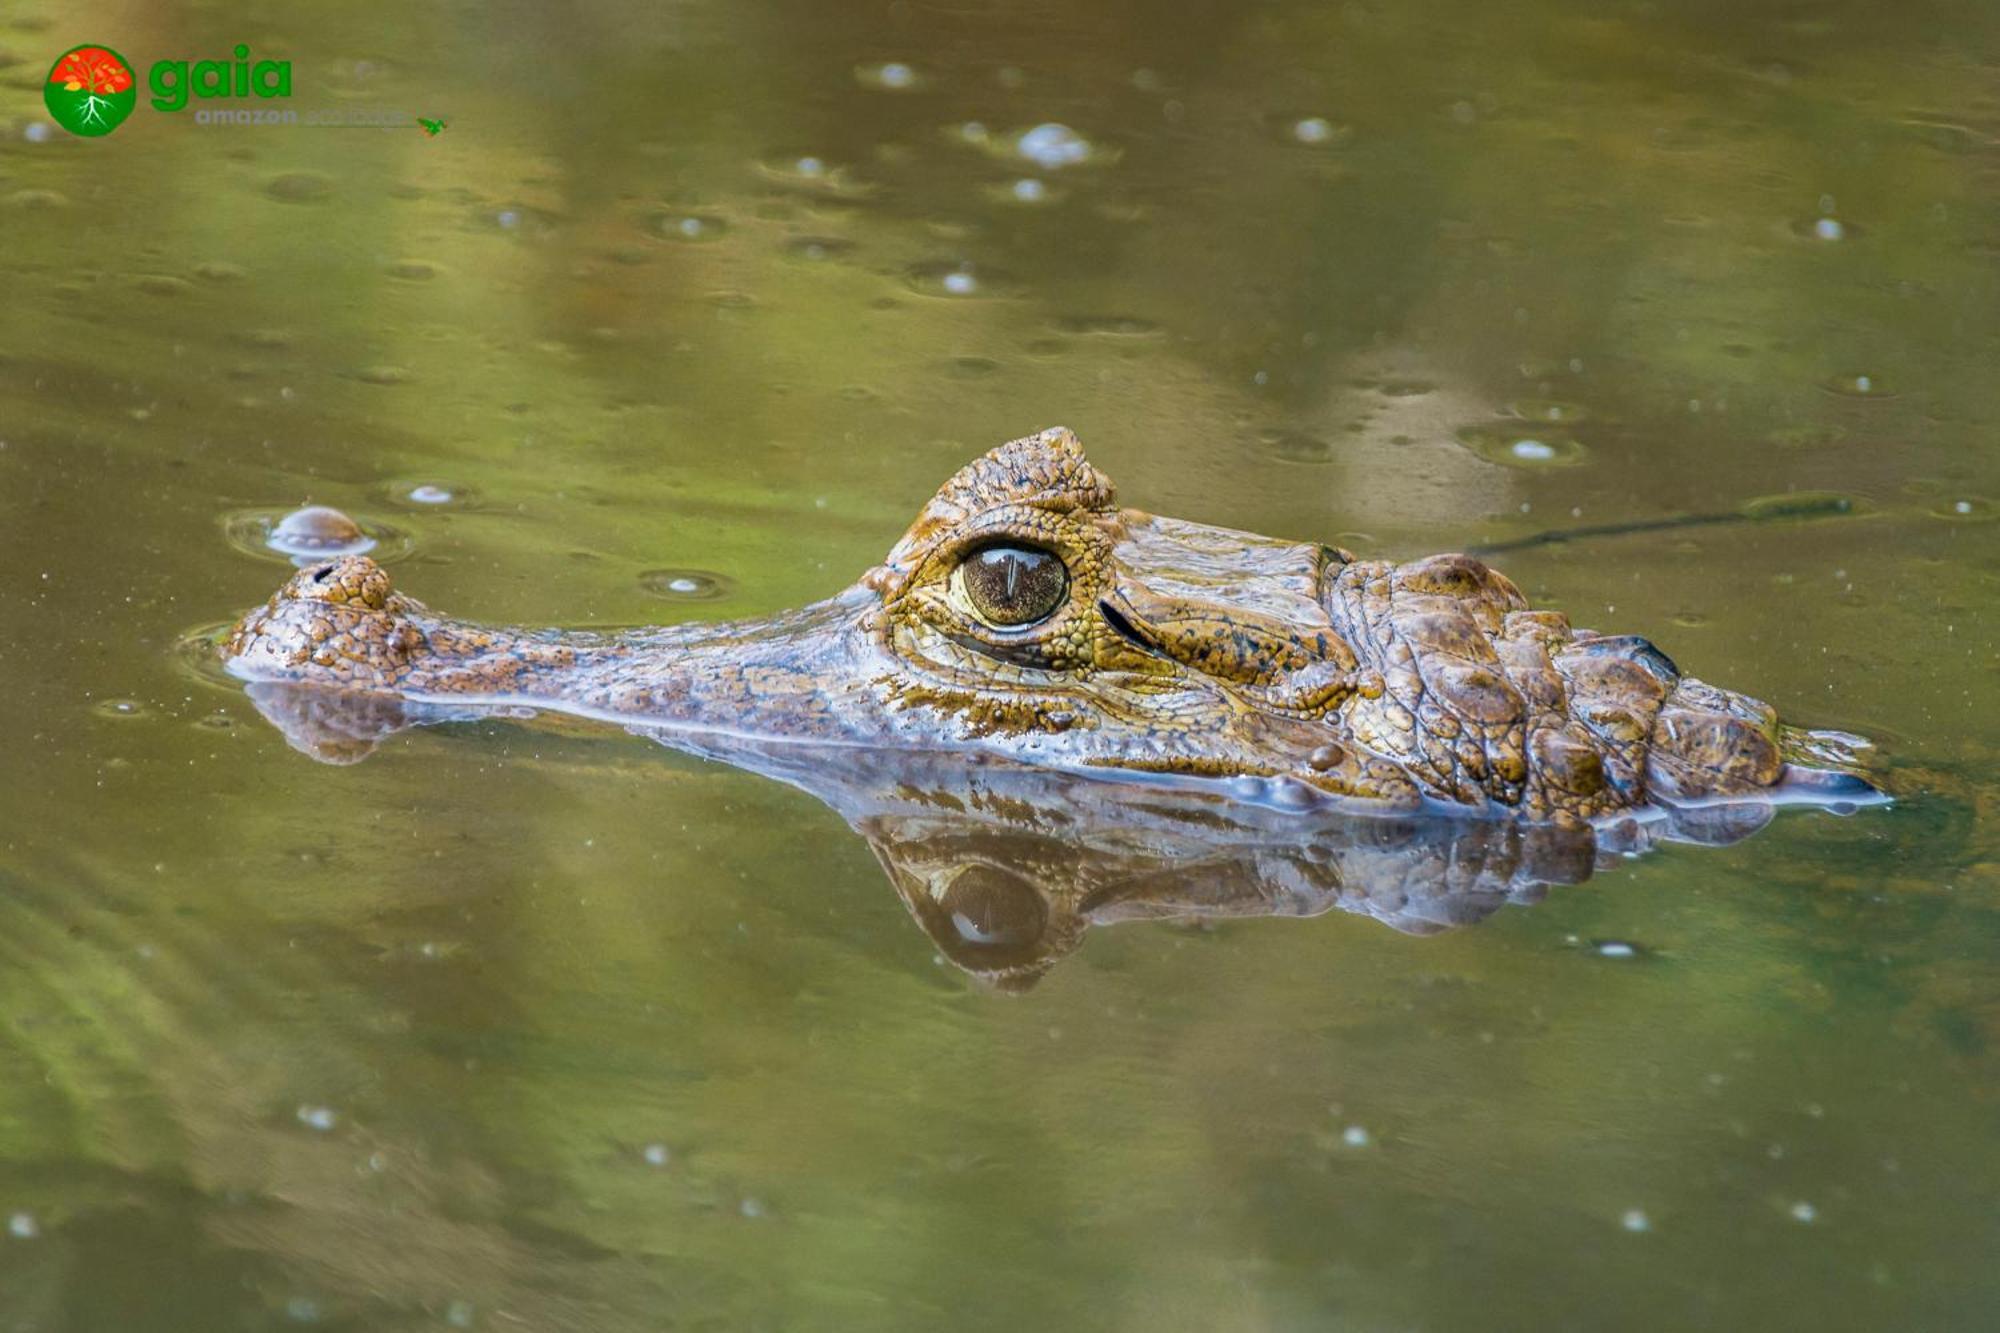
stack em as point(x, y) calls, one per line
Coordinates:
point(322, 574)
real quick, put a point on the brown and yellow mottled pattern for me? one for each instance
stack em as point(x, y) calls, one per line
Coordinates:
point(1174, 649)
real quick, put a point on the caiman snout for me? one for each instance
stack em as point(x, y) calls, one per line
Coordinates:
point(352, 580)
point(336, 622)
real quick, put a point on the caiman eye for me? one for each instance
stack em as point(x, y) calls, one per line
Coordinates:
point(1011, 586)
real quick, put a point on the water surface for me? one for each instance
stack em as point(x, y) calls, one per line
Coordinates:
point(684, 314)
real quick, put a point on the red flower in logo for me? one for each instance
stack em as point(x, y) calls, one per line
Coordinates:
point(91, 69)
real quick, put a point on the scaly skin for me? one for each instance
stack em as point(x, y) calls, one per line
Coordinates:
point(1177, 650)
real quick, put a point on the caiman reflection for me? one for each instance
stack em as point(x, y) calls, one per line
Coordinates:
point(1044, 711)
point(1006, 867)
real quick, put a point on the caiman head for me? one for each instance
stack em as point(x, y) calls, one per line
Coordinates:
point(1026, 616)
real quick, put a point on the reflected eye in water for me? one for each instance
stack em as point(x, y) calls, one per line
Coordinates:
point(1013, 586)
point(990, 909)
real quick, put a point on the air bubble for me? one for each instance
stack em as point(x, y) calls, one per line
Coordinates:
point(1858, 385)
point(318, 530)
point(891, 76)
point(1825, 229)
point(1053, 146)
point(321, 1118)
point(690, 226)
point(1966, 509)
point(1514, 447)
point(686, 585)
point(425, 493)
point(311, 533)
point(958, 281)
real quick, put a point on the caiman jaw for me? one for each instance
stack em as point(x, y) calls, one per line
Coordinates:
point(1284, 666)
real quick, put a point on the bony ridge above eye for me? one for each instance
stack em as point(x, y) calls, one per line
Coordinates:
point(1011, 585)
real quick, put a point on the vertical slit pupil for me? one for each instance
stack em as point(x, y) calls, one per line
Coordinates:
point(1011, 586)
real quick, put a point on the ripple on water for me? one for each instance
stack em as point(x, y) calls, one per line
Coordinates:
point(35, 200)
point(197, 653)
point(299, 187)
point(811, 173)
point(1859, 384)
point(220, 270)
point(1947, 136)
point(1549, 410)
point(1309, 128)
point(512, 219)
point(891, 76)
point(818, 249)
point(1966, 509)
point(1513, 445)
point(681, 226)
point(118, 708)
point(412, 270)
point(958, 280)
point(426, 493)
point(1109, 326)
point(310, 533)
point(162, 284)
point(1295, 446)
point(686, 585)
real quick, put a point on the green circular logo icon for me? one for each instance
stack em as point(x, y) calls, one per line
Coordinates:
point(90, 90)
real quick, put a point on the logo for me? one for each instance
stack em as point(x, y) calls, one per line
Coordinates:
point(90, 90)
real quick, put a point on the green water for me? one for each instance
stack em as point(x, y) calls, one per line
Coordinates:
point(513, 1029)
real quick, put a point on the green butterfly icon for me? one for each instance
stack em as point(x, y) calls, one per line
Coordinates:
point(432, 127)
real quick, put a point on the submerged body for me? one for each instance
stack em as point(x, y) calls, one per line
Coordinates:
point(1027, 617)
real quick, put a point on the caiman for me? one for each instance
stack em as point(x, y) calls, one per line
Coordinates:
point(1046, 712)
point(1025, 616)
